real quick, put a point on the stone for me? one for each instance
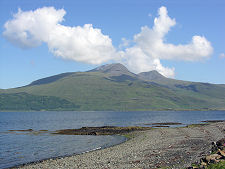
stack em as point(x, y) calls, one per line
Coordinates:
point(214, 147)
point(222, 153)
point(221, 143)
point(213, 158)
point(202, 167)
point(203, 163)
point(193, 167)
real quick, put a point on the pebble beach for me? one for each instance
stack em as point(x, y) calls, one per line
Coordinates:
point(155, 148)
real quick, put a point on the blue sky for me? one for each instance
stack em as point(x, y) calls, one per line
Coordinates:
point(179, 55)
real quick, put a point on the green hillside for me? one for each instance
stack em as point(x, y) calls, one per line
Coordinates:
point(113, 87)
point(24, 101)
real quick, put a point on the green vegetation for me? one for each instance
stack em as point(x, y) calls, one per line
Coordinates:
point(128, 136)
point(220, 165)
point(114, 89)
point(197, 125)
point(24, 101)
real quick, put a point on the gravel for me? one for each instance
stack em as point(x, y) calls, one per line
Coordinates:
point(156, 148)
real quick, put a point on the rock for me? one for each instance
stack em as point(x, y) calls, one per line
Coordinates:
point(222, 153)
point(219, 155)
point(202, 167)
point(214, 147)
point(103, 130)
point(213, 121)
point(221, 144)
point(203, 163)
point(192, 167)
point(213, 158)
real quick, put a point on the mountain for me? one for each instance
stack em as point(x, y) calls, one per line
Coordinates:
point(151, 76)
point(113, 87)
point(50, 79)
point(115, 69)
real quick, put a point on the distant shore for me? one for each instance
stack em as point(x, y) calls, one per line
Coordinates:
point(112, 110)
point(167, 147)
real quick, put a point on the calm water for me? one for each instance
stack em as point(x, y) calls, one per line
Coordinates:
point(21, 147)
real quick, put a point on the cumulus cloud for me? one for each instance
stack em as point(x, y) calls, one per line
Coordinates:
point(137, 61)
point(150, 47)
point(125, 43)
point(84, 44)
point(31, 28)
point(89, 45)
point(222, 55)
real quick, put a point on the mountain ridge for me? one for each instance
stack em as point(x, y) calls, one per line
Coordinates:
point(113, 87)
point(151, 75)
point(113, 69)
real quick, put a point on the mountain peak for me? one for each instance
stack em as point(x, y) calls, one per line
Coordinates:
point(114, 69)
point(151, 75)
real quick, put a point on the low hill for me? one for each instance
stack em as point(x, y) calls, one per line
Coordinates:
point(113, 87)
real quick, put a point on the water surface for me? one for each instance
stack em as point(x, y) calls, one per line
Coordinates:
point(21, 147)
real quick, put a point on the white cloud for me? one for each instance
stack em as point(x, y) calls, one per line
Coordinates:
point(29, 29)
point(150, 47)
point(222, 55)
point(84, 44)
point(125, 43)
point(137, 61)
point(87, 44)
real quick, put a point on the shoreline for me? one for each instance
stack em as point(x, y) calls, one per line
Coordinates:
point(64, 156)
point(127, 136)
point(157, 110)
point(176, 147)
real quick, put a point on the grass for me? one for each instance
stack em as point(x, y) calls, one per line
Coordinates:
point(132, 134)
point(96, 91)
point(197, 125)
point(25, 101)
point(220, 165)
point(128, 135)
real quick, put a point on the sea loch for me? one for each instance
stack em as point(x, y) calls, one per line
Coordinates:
point(23, 147)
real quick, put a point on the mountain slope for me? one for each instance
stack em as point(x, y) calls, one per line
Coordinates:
point(113, 87)
point(50, 79)
point(151, 76)
point(115, 69)
point(211, 90)
point(24, 101)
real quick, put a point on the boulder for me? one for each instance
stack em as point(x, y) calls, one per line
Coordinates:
point(214, 147)
point(221, 144)
point(222, 153)
point(213, 158)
